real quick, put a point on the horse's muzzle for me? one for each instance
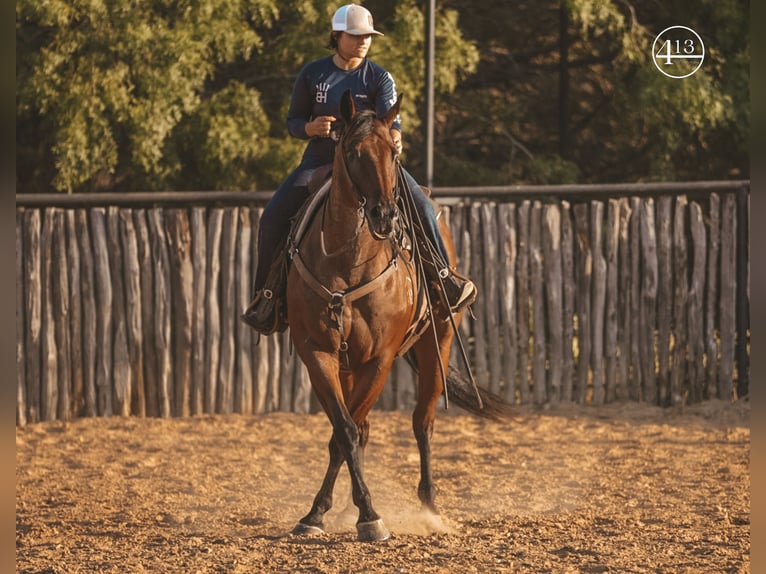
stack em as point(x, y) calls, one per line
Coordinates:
point(384, 220)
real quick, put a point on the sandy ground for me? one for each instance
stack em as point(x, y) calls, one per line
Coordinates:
point(625, 488)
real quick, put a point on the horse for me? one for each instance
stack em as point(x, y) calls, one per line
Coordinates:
point(352, 294)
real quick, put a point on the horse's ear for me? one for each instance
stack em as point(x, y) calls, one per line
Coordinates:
point(347, 109)
point(391, 114)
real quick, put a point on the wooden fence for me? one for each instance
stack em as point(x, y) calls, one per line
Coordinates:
point(585, 295)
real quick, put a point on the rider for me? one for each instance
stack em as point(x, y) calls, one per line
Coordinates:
point(314, 115)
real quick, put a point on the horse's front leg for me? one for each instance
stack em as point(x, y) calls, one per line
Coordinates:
point(313, 522)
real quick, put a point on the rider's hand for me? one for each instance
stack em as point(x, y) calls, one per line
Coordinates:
point(320, 126)
point(396, 135)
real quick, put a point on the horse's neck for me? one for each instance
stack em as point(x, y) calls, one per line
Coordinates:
point(344, 229)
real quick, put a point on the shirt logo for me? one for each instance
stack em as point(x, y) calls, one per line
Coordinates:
point(321, 97)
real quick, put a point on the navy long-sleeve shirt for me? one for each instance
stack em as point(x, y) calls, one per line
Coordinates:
point(317, 92)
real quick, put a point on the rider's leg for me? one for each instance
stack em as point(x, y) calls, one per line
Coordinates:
point(261, 313)
point(458, 289)
point(275, 223)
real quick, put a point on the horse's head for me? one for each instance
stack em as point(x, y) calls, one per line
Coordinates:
point(369, 156)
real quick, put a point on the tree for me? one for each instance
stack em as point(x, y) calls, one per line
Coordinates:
point(182, 94)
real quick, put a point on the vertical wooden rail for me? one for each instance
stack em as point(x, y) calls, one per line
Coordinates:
point(678, 379)
point(212, 310)
point(181, 305)
point(481, 366)
point(665, 272)
point(507, 230)
point(229, 311)
point(624, 299)
point(522, 289)
point(635, 299)
point(728, 302)
point(77, 398)
point(21, 372)
point(711, 297)
point(611, 321)
point(695, 315)
point(121, 371)
point(584, 283)
point(149, 343)
point(648, 309)
point(568, 303)
point(743, 292)
point(33, 308)
point(134, 321)
point(89, 320)
point(161, 304)
point(598, 300)
point(104, 303)
point(491, 306)
point(261, 345)
point(49, 394)
point(199, 347)
point(538, 304)
point(554, 295)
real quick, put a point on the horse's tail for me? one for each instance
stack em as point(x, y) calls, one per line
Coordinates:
point(462, 393)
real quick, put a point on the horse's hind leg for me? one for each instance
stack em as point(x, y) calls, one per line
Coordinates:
point(430, 387)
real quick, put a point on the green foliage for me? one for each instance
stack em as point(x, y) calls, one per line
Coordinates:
point(193, 94)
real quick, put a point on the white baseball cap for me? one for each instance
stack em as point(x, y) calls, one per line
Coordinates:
point(353, 19)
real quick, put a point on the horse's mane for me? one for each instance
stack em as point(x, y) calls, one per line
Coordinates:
point(360, 127)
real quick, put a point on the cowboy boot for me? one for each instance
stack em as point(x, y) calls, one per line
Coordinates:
point(459, 290)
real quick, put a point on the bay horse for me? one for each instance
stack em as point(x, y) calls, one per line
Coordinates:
point(351, 297)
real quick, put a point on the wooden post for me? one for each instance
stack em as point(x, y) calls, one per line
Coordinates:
point(181, 306)
point(648, 310)
point(104, 302)
point(146, 280)
point(89, 321)
point(121, 370)
point(554, 294)
point(134, 312)
point(522, 288)
point(743, 291)
point(61, 299)
point(162, 311)
point(611, 322)
point(696, 347)
point(507, 230)
point(664, 294)
point(711, 297)
point(598, 300)
point(33, 313)
point(481, 367)
point(568, 304)
point(49, 393)
point(624, 298)
point(728, 304)
point(77, 398)
point(491, 306)
point(213, 313)
point(229, 312)
point(243, 387)
point(21, 389)
point(584, 282)
point(635, 392)
point(538, 304)
point(678, 380)
point(199, 294)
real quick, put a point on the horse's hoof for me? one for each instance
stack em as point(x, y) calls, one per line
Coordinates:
point(302, 529)
point(374, 531)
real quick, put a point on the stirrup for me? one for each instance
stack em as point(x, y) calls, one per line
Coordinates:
point(263, 313)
